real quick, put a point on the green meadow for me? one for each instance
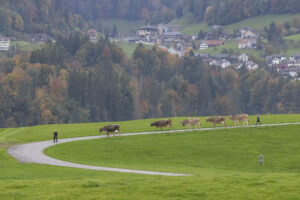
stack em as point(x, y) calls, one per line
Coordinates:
point(187, 26)
point(25, 46)
point(223, 162)
point(129, 48)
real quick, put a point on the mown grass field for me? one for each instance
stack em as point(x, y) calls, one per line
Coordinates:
point(293, 44)
point(223, 163)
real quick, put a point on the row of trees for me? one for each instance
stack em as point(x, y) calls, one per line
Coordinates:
point(79, 81)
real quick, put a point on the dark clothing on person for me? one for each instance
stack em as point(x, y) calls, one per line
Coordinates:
point(55, 134)
point(258, 119)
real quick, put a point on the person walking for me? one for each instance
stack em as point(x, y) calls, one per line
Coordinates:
point(55, 135)
point(258, 119)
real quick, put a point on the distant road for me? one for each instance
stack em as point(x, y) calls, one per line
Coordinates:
point(34, 152)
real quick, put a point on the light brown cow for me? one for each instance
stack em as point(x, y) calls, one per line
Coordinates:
point(239, 118)
point(191, 122)
point(217, 120)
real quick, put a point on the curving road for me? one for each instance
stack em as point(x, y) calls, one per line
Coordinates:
point(34, 152)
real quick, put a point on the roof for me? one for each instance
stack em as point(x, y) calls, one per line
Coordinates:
point(4, 39)
point(245, 41)
point(149, 28)
point(248, 29)
point(214, 42)
point(92, 32)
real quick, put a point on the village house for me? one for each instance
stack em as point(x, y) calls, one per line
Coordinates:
point(251, 65)
point(4, 43)
point(275, 59)
point(247, 43)
point(223, 63)
point(248, 33)
point(210, 43)
point(92, 35)
point(244, 57)
point(295, 57)
point(148, 34)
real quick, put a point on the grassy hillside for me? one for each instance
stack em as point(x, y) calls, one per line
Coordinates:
point(25, 46)
point(232, 150)
point(293, 44)
point(187, 26)
point(262, 21)
point(223, 163)
point(259, 22)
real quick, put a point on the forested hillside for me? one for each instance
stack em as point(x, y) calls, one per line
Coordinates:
point(54, 16)
point(75, 80)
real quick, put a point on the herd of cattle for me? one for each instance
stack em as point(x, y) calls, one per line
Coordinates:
point(189, 123)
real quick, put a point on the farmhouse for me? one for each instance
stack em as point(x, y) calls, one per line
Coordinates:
point(244, 57)
point(247, 43)
point(210, 43)
point(248, 33)
point(4, 43)
point(148, 33)
point(92, 34)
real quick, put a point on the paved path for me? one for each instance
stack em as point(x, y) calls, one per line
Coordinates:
point(33, 152)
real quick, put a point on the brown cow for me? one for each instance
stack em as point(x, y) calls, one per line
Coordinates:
point(110, 129)
point(239, 118)
point(189, 122)
point(162, 123)
point(217, 120)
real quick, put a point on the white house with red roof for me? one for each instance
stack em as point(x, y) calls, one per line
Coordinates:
point(92, 34)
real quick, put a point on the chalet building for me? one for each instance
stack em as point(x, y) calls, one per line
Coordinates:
point(247, 43)
point(40, 38)
point(4, 43)
point(248, 33)
point(148, 34)
point(92, 35)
